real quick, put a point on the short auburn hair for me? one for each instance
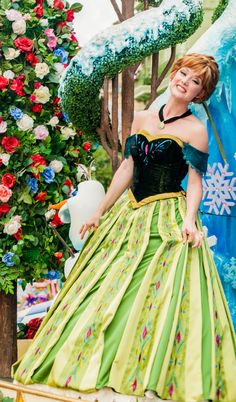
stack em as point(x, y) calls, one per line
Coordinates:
point(205, 67)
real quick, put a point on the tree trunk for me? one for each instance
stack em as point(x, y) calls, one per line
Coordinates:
point(8, 327)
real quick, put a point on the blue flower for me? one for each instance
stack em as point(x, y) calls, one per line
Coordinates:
point(33, 185)
point(16, 113)
point(60, 52)
point(53, 275)
point(48, 174)
point(65, 117)
point(7, 259)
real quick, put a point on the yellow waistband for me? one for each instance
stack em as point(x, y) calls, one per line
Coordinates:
point(144, 201)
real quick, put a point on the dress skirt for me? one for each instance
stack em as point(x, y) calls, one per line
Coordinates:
point(141, 314)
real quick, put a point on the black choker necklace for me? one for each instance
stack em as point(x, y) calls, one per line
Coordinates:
point(163, 122)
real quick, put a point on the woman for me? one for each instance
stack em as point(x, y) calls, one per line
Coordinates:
point(143, 315)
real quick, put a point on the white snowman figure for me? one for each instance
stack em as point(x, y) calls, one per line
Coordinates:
point(77, 210)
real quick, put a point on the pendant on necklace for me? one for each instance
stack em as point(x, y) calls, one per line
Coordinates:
point(161, 125)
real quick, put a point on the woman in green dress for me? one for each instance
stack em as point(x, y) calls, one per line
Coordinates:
point(142, 315)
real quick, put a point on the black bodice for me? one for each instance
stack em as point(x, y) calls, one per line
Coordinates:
point(161, 163)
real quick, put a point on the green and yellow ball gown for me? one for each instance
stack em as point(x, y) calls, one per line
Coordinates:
point(142, 315)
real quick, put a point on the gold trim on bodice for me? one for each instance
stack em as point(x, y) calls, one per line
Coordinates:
point(147, 200)
point(151, 137)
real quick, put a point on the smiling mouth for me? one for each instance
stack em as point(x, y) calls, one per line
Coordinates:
point(183, 90)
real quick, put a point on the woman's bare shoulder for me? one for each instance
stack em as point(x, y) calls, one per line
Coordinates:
point(139, 120)
point(198, 136)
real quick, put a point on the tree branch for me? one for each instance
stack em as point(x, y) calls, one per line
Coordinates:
point(117, 10)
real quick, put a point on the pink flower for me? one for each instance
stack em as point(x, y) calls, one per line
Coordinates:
point(41, 132)
point(5, 193)
point(13, 15)
point(52, 39)
point(158, 285)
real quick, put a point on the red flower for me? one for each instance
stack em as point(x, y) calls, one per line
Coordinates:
point(17, 86)
point(58, 114)
point(4, 209)
point(70, 15)
point(17, 235)
point(3, 82)
point(37, 108)
point(38, 160)
point(32, 59)
point(41, 196)
point(79, 132)
point(39, 10)
point(68, 183)
point(10, 144)
point(8, 180)
point(73, 38)
point(58, 4)
point(24, 44)
point(87, 146)
point(32, 98)
point(58, 255)
point(1, 119)
point(33, 326)
point(37, 85)
point(56, 100)
point(62, 25)
point(56, 221)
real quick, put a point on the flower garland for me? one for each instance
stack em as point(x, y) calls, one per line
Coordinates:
point(119, 47)
point(39, 150)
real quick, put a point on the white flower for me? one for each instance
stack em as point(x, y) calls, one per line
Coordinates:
point(13, 15)
point(19, 27)
point(59, 67)
point(50, 214)
point(27, 17)
point(11, 53)
point(67, 132)
point(41, 132)
point(50, 3)
point(9, 74)
point(44, 22)
point(13, 225)
point(41, 69)
point(3, 127)
point(5, 158)
point(25, 123)
point(42, 94)
point(56, 165)
point(53, 121)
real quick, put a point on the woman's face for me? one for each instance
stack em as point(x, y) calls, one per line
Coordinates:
point(186, 84)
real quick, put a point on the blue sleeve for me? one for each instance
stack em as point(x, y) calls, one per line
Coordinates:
point(130, 143)
point(195, 158)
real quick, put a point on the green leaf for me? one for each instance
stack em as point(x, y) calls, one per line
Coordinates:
point(76, 7)
point(5, 4)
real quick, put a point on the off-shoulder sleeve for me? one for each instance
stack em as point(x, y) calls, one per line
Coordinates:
point(195, 158)
point(129, 146)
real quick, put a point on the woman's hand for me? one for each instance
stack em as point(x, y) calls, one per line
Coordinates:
point(91, 223)
point(191, 234)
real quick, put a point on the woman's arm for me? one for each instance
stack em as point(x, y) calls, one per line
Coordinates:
point(120, 182)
